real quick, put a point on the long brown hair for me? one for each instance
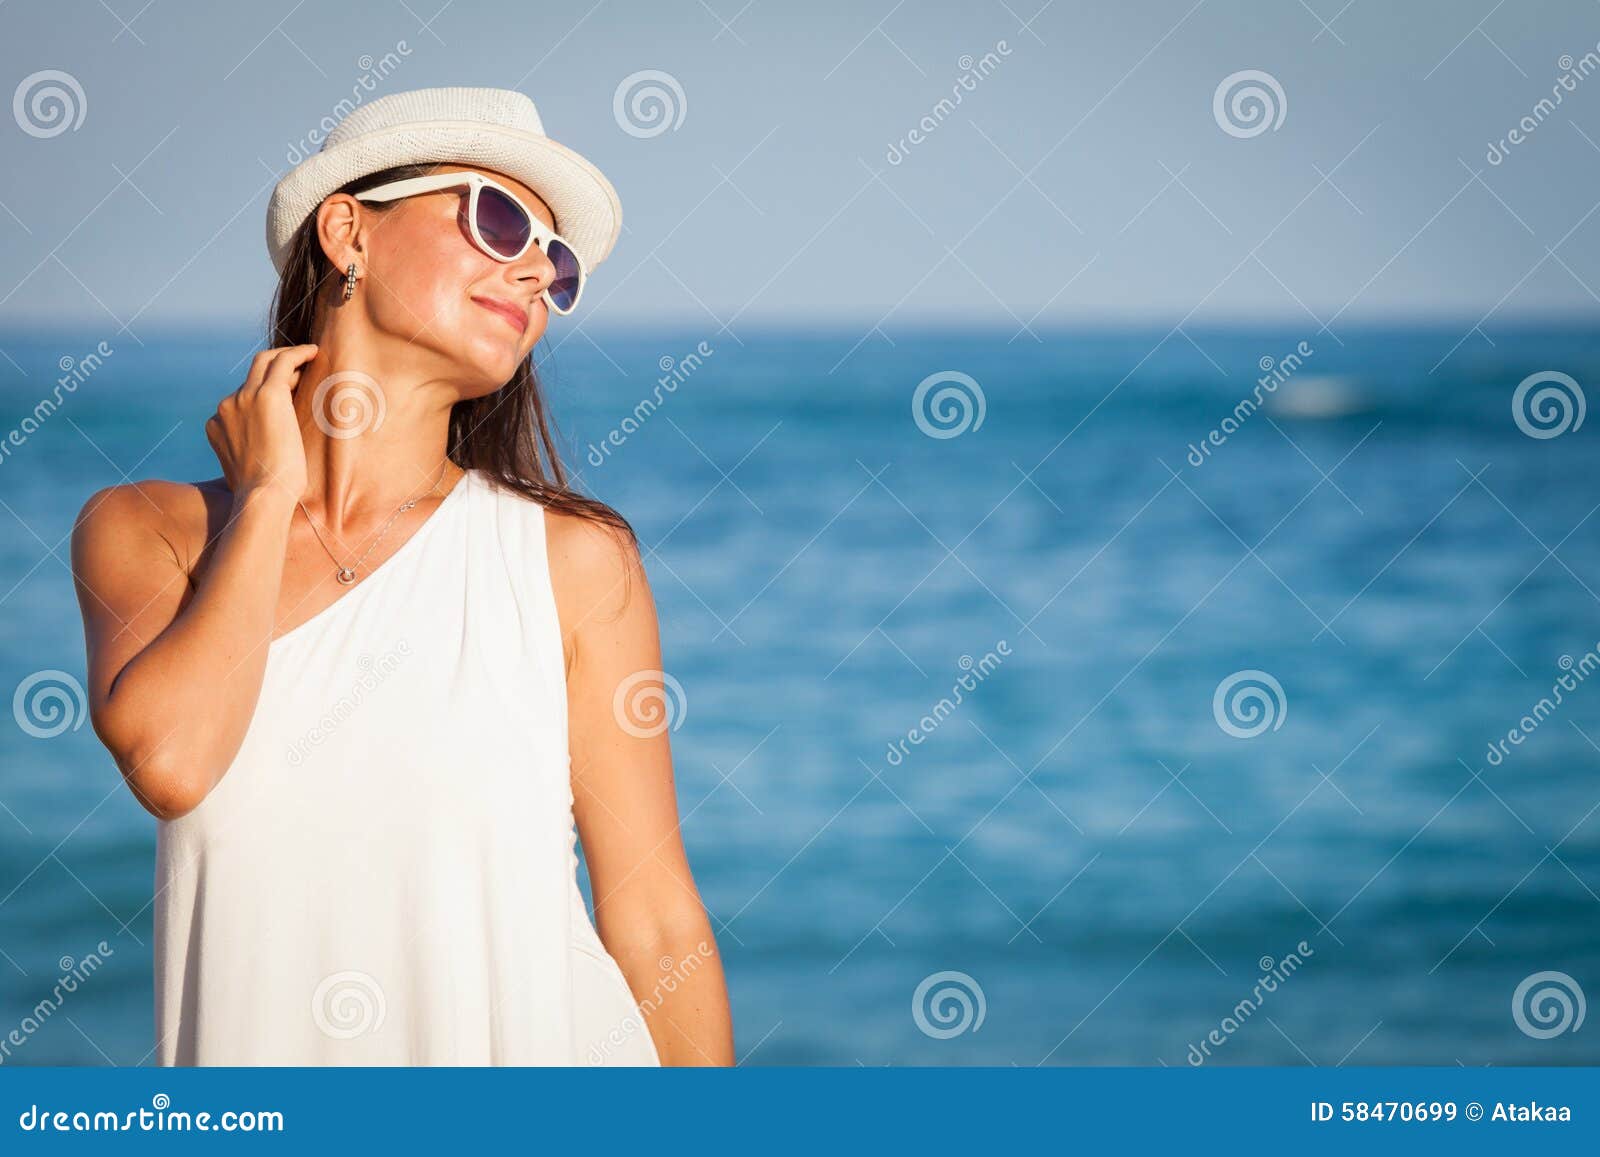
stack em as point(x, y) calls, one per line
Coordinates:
point(506, 435)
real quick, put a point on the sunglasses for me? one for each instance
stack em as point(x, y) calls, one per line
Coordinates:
point(501, 226)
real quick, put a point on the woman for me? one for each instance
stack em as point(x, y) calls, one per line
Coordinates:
point(368, 679)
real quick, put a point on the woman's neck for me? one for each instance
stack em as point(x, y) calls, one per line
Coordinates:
point(372, 440)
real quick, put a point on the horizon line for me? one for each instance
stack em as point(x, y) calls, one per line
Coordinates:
point(26, 329)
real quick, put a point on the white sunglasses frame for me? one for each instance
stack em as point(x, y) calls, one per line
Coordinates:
point(538, 233)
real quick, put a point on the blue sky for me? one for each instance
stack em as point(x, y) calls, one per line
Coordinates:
point(1085, 177)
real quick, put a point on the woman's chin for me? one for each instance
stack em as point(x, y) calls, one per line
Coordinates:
point(494, 360)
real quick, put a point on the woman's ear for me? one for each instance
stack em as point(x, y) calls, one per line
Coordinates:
point(340, 223)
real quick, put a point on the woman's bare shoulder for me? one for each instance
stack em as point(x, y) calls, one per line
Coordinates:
point(151, 513)
point(595, 568)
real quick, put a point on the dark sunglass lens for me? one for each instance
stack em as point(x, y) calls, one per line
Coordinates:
point(564, 286)
point(502, 223)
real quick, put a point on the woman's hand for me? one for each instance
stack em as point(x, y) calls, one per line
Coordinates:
point(255, 433)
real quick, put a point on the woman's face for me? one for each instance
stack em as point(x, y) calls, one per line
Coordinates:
point(428, 285)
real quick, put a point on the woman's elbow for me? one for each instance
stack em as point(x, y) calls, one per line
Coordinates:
point(683, 932)
point(167, 783)
point(166, 787)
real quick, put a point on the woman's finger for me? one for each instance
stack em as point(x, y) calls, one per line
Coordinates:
point(284, 372)
point(258, 368)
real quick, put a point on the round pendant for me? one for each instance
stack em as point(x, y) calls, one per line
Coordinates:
point(346, 575)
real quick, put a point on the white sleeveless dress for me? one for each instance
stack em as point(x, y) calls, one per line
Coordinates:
point(387, 873)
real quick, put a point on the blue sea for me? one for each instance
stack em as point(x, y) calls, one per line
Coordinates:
point(1039, 704)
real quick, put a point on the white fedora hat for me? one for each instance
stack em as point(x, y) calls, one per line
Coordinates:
point(495, 128)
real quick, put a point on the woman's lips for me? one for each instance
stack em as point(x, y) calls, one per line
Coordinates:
point(513, 314)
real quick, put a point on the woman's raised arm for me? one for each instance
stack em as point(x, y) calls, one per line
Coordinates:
point(175, 672)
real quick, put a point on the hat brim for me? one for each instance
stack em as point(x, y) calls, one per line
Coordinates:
point(587, 211)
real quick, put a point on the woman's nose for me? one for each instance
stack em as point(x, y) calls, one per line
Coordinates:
point(535, 266)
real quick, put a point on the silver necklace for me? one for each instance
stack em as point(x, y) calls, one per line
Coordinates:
point(347, 574)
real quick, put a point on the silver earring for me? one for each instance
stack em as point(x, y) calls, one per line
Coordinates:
point(350, 282)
